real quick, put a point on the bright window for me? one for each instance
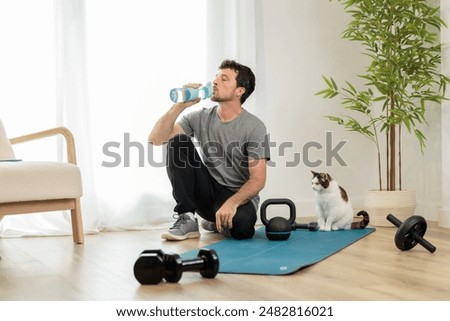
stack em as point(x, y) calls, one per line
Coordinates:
point(136, 52)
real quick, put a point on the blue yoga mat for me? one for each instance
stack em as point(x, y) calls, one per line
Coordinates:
point(261, 256)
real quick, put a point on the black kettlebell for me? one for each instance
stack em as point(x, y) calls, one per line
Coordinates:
point(278, 228)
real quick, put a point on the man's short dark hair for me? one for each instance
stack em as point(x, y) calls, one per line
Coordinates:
point(245, 77)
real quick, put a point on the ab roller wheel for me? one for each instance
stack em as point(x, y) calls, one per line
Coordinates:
point(410, 233)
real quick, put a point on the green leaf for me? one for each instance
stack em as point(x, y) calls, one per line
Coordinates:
point(330, 82)
point(352, 88)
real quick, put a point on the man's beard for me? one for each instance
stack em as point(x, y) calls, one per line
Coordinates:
point(218, 99)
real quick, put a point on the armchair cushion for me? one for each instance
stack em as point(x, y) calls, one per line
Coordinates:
point(6, 151)
point(34, 181)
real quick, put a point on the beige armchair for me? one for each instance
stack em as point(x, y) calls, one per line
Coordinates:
point(40, 186)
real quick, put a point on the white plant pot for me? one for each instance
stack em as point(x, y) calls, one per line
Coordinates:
point(401, 204)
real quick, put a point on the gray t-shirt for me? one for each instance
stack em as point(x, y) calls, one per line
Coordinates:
point(226, 146)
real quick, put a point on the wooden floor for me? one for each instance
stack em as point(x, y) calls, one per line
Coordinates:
point(53, 268)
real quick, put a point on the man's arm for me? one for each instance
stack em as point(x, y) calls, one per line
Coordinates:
point(256, 182)
point(165, 128)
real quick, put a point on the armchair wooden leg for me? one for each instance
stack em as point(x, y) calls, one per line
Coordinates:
point(77, 223)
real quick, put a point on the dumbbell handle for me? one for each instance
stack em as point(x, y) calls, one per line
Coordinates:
point(309, 226)
point(193, 264)
point(419, 239)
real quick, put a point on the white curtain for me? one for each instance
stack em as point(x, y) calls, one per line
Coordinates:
point(138, 50)
point(28, 93)
point(72, 105)
point(108, 69)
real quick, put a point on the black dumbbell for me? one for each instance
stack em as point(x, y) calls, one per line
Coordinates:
point(312, 226)
point(154, 265)
point(150, 267)
point(410, 232)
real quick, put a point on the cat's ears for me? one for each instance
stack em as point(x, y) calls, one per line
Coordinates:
point(321, 175)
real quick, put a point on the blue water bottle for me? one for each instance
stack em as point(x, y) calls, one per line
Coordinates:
point(180, 95)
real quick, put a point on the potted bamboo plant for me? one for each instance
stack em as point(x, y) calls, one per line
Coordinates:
point(402, 79)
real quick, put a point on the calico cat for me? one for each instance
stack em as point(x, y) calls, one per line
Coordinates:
point(333, 206)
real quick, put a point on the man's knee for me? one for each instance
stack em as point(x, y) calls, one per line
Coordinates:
point(242, 232)
point(244, 223)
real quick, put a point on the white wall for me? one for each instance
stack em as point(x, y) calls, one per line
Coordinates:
point(301, 40)
point(444, 215)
